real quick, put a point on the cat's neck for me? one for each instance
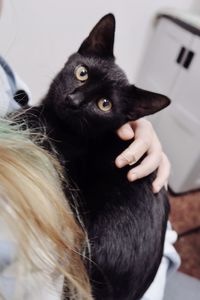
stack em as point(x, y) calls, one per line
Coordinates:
point(67, 141)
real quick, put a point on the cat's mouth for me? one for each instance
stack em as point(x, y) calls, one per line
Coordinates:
point(72, 107)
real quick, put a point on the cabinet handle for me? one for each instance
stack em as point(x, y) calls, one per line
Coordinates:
point(188, 60)
point(181, 55)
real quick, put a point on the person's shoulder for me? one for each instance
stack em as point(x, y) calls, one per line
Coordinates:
point(16, 92)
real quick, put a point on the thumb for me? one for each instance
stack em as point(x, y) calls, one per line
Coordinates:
point(125, 132)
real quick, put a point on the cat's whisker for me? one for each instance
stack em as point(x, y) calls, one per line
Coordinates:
point(86, 124)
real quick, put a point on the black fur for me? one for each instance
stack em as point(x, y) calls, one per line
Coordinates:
point(125, 221)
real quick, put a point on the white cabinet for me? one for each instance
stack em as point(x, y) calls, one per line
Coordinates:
point(178, 126)
point(187, 87)
point(159, 69)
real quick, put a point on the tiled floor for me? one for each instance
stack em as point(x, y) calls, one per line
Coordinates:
point(185, 215)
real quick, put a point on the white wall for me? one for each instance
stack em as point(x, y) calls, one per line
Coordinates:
point(38, 36)
point(196, 6)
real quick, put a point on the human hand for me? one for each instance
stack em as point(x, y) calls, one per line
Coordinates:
point(145, 141)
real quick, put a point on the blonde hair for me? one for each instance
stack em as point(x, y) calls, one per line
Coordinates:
point(32, 202)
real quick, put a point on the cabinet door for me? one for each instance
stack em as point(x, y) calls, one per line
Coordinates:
point(159, 70)
point(186, 149)
point(186, 91)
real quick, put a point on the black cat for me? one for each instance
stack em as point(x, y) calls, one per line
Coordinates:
point(88, 100)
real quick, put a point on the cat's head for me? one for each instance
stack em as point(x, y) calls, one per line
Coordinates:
point(92, 94)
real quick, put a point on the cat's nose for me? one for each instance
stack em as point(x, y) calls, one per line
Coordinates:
point(75, 99)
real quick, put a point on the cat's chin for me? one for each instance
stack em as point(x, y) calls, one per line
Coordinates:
point(72, 121)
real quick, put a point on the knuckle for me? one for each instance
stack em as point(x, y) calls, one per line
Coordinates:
point(149, 124)
point(148, 171)
point(149, 127)
point(166, 160)
point(126, 155)
point(145, 142)
point(142, 172)
point(158, 158)
point(130, 153)
point(146, 122)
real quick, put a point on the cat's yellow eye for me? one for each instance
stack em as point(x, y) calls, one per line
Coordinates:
point(104, 104)
point(81, 73)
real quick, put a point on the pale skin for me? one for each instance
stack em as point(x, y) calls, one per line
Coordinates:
point(145, 141)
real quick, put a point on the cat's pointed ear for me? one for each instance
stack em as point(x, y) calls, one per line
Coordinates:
point(145, 103)
point(101, 39)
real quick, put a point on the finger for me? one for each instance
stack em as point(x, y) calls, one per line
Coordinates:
point(125, 132)
point(162, 174)
point(142, 128)
point(147, 166)
point(132, 154)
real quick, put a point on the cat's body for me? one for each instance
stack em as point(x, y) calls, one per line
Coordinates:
point(125, 221)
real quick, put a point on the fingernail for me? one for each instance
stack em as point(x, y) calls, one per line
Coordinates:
point(156, 188)
point(132, 177)
point(120, 162)
point(127, 132)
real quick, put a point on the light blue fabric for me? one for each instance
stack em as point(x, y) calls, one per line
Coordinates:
point(10, 75)
point(169, 264)
point(7, 286)
point(7, 254)
point(8, 257)
point(10, 84)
